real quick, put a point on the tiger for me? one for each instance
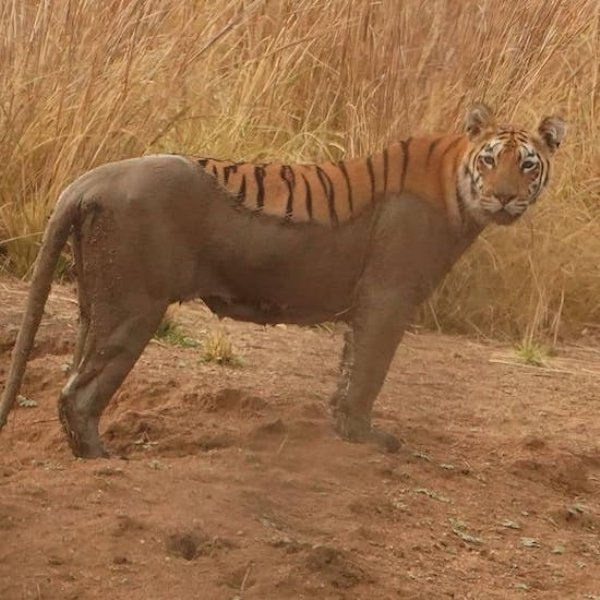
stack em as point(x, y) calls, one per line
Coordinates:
point(363, 241)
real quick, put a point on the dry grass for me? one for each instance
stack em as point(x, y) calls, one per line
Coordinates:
point(218, 347)
point(86, 82)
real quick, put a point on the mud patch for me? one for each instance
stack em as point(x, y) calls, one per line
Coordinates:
point(192, 543)
point(332, 567)
point(126, 525)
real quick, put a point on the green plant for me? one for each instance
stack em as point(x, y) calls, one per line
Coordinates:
point(532, 352)
point(170, 332)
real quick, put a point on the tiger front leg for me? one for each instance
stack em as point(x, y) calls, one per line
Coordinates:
point(346, 361)
point(376, 330)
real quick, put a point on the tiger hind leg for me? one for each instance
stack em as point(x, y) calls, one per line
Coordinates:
point(110, 343)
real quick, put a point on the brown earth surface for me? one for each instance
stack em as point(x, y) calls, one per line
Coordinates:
point(230, 483)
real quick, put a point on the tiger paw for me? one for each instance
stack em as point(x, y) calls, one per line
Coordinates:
point(350, 427)
point(82, 434)
point(358, 430)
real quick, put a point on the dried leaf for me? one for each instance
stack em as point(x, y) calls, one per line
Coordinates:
point(521, 586)
point(530, 542)
point(460, 529)
point(510, 524)
point(432, 494)
point(467, 537)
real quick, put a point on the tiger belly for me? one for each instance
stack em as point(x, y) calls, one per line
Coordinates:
point(265, 312)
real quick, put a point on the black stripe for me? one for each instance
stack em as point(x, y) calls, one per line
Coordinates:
point(475, 177)
point(203, 162)
point(259, 175)
point(405, 144)
point(242, 191)
point(430, 150)
point(544, 174)
point(460, 201)
point(385, 168)
point(330, 193)
point(450, 146)
point(371, 177)
point(472, 173)
point(521, 136)
point(215, 172)
point(308, 198)
point(228, 170)
point(287, 174)
point(344, 171)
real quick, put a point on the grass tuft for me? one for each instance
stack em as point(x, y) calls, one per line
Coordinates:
point(532, 353)
point(217, 347)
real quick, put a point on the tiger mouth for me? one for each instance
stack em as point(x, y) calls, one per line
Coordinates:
point(500, 213)
point(502, 217)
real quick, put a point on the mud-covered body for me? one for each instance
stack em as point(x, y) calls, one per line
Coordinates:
point(364, 241)
point(244, 265)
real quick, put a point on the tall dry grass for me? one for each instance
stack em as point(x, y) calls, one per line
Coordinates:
point(85, 82)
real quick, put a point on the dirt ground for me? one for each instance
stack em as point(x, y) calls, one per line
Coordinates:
point(229, 483)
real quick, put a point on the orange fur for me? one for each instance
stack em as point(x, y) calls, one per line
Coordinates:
point(331, 194)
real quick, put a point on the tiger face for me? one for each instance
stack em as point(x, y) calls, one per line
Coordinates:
point(507, 168)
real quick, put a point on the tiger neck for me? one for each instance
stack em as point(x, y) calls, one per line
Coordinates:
point(429, 167)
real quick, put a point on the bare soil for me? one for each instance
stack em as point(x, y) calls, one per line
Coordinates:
point(230, 483)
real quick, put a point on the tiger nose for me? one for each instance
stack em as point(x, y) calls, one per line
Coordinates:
point(505, 197)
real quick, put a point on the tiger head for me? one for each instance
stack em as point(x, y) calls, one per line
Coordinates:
point(506, 168)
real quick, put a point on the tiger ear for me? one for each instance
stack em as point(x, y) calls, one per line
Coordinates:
point(552, 131)
point(479, 118)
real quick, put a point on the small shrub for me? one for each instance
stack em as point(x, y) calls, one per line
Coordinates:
point(217, 347)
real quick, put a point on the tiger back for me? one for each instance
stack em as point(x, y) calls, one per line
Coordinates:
point(462, 174)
